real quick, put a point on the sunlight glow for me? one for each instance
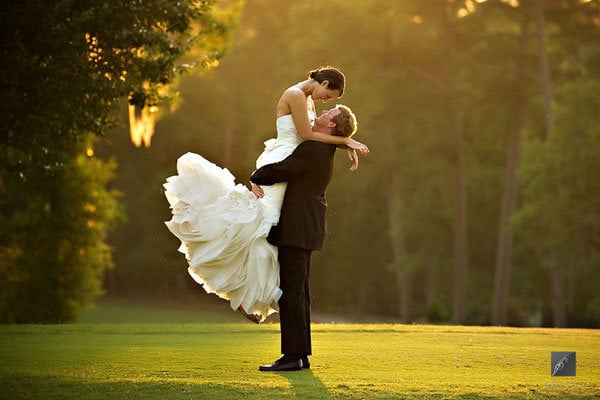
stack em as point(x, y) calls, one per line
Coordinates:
point(141, 124)
point(470, 7)
point(141, 121)
point(89, 152)
point(250, 33)
point(94, 50)
point(161, 26)
point(512, 3)
point(416, 19)
point(139, 52)
point(211, 63)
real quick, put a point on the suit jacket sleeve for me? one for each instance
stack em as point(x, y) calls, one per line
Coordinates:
point(307, 172)
point(307, 155)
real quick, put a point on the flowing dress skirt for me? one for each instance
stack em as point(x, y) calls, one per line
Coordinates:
point(222, 228)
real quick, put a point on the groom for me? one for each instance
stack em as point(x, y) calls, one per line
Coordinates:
point(301, 230)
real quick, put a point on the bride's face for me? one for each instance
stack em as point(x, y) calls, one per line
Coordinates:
point(321, 92)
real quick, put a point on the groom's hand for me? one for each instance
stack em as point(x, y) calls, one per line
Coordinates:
point(257, 190)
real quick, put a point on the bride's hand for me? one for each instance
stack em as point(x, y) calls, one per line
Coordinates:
point(257, 190)
point(353, 158)
point(356, 145)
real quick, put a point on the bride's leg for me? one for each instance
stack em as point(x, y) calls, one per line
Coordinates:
point(252, 317)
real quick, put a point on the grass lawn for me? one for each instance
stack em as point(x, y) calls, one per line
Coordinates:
point(219, 360)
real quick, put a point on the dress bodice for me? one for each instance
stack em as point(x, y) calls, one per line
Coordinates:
point(287, 140)
point(286, 130)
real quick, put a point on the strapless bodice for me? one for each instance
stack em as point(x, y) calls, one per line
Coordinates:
point(286, 130)
point(287, 140)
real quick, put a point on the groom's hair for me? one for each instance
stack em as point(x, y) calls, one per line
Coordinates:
point(345, 122)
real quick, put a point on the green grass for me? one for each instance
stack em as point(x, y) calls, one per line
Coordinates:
point(219, 361)
point(118, 311)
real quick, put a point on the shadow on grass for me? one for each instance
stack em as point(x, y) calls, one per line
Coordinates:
point(305, 385)
point(46, 387)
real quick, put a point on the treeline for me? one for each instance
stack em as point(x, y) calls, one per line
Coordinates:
point(479, 203)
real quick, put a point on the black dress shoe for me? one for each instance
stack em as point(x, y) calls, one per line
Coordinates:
point(294, 365)
point(305, 362)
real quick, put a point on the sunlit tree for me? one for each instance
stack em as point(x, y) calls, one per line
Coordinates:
point(66, 67)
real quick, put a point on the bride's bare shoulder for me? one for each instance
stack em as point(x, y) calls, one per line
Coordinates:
point(291, 97)
point(293, 91)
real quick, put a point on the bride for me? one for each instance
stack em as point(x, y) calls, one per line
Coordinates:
point(223, 226)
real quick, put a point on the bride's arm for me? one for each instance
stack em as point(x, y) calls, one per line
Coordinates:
point(297, 103)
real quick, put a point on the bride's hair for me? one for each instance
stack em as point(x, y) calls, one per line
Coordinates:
point(335, 77)
point(345, 122)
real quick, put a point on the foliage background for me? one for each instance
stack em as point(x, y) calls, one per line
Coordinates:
point(405, 83)
point(66, 68)
point(479, 203)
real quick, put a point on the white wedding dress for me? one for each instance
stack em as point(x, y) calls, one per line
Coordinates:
point(223, 226)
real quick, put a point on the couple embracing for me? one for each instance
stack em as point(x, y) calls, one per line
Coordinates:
point(254, 248)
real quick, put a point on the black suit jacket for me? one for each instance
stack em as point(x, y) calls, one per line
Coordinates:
point(307, 172)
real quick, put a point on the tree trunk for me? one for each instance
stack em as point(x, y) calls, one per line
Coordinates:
point(502, 273)
point(558, 293)
point(403, 276)
point(431, 280)
point(448, 35)
point(460, 224)
point(557, 273)
point(546, 81)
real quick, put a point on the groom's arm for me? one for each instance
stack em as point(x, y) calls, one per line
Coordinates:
point(304, 157)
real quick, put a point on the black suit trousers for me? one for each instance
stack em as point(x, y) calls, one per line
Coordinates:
point(294, 304)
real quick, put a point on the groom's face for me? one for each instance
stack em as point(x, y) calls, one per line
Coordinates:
point(325, 120)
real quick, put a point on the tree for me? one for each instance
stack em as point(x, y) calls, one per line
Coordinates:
point(532, 86)
point(66, 66)
point(559, 236)
point(558, 223)
point(53, 245)
point(502, 273)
